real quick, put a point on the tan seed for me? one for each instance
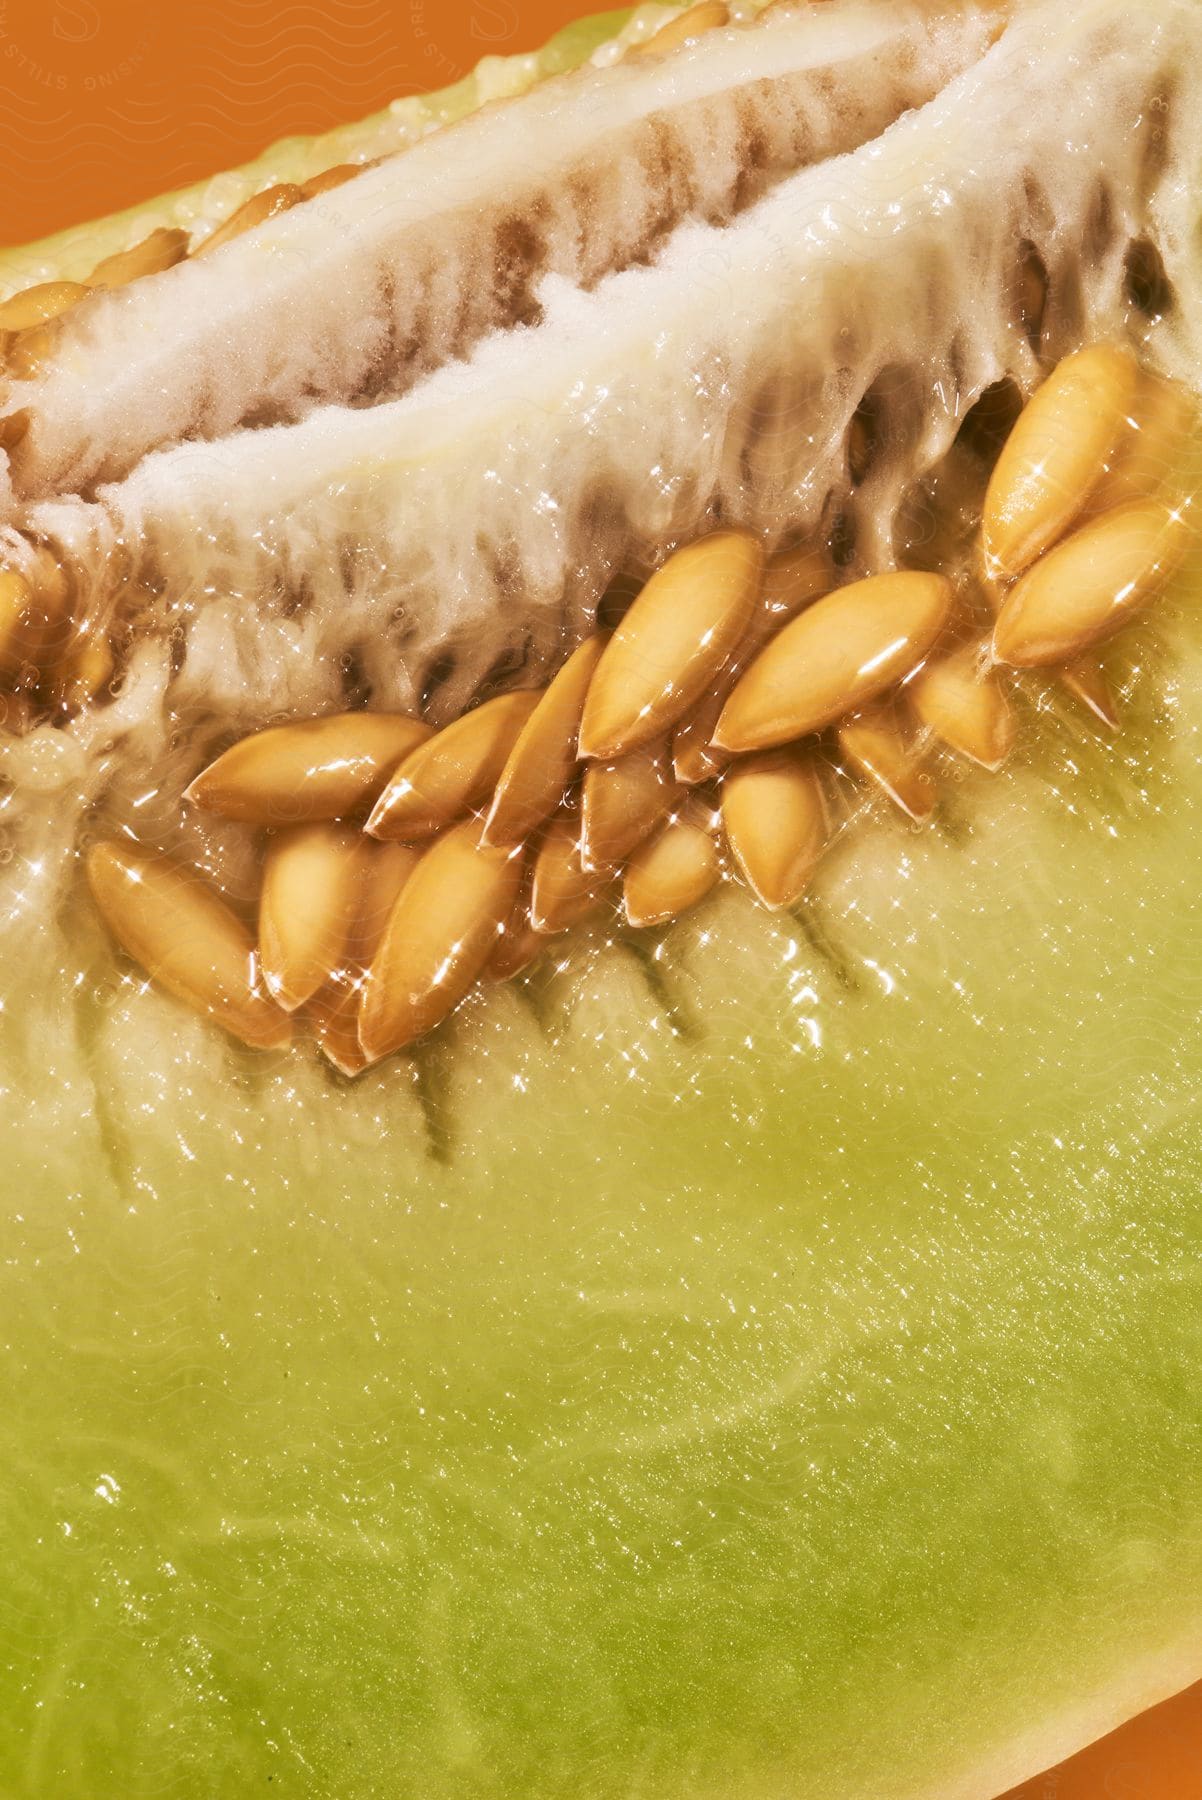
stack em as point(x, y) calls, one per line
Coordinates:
point(386, 870)
point(29, 351)
point(317, 769)
point(161, 250)
point(1150, 450)
point(792, 579)
point(1055, 454)
point(1086, 589)
point(672, 871)
point(329, 179)
point(518, 947)
point(563, 892)
point(875, 746)
point(544, 757)
point(1086, 680)
point(334, 1011)
point(333, 1016)
point(442, 932)
point(252, 213)
point(840, 653)
point(453, 772)
point(682, 30)
point(672, 643)
point(312, 878)
point(38, 305)
point(622, 802)
point(774, 811)
point(83, 673)
point(962, 702)
point(185, 937)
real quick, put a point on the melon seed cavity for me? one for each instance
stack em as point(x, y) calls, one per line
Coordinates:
point(697, 743)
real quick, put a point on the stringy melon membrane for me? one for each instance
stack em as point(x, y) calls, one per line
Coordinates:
point(600, 39)
point(354, 295)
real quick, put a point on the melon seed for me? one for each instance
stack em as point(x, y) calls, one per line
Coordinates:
point(308, 903)
point(333, 1012)
point(791, 579)
point(317, 769)
point(38, 305)
point(442, 932)
point(693, 23)
point(518, 946)
point(1055, 454)
point(563, 892)
point(672, 872)
point(252, 213)
point(386, 869)
point(161, 250)
point(329, 179)
point(29, 351)
point(1163, 418)
point(1084, 590)
point(623, 801)
point(774, 811)
point(672, 643)
point(333, 1016)
point(186, 938)
point(962, 703)
point(875, 746)
point(543, 758)
point(840, 653)
point(452, 772)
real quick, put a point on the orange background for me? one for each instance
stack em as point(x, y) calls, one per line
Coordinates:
point(106, 102)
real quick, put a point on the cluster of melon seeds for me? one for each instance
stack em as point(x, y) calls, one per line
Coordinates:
point(693, 743)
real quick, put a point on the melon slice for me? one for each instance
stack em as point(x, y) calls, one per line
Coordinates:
point(756, 1358)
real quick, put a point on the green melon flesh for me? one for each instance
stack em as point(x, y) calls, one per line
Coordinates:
point(784, 1384)
point(754, 1363)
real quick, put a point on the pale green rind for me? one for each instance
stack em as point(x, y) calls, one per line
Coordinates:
point(72, 254)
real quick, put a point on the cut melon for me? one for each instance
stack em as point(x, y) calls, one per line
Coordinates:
point(753, 1358)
